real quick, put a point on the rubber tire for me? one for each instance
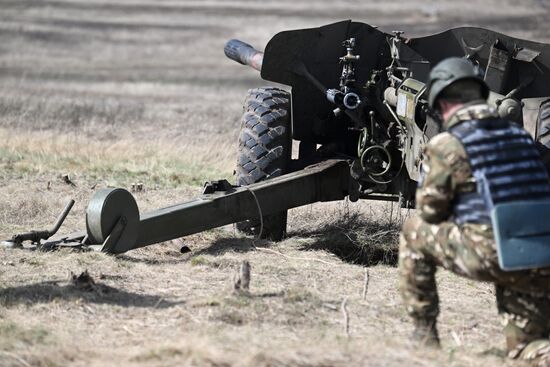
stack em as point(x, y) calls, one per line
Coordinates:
point(264, 151)
point(542, 135)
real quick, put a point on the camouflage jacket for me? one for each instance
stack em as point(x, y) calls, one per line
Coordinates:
point(446, 173)
point(446, 168)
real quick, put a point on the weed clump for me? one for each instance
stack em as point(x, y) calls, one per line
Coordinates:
point(353, 236)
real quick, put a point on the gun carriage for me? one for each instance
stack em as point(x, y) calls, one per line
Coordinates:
point(356, 104)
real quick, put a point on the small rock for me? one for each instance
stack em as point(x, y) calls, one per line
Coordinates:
point(10, 244)
point(83, 281)
point(67, 179)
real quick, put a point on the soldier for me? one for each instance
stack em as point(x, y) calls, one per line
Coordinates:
point(454, 229)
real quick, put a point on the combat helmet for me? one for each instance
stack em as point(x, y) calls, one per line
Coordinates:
point(450, 71)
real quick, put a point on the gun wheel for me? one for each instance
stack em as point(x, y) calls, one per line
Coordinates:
point(264, 151)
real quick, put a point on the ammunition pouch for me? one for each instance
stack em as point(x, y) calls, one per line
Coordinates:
point(522, 234)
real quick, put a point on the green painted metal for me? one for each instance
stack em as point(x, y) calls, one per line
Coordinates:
point(326, 181)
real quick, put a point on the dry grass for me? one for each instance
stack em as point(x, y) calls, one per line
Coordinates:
point(157, 307)
point(120, 92)
point(115, 162)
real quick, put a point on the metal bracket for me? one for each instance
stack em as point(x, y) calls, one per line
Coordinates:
point(471, 51)
point(498, 66)
point(211, 187)
point(114, 236)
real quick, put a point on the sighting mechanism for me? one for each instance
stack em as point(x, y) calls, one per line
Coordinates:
point(345, 97)
point(348, 61)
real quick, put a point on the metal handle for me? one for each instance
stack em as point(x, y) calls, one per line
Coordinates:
point(61, 217)
point(36, 236)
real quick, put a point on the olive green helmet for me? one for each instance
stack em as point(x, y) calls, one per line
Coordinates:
point(450, 71)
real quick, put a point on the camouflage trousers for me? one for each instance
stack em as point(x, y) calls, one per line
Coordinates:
point(523, 297)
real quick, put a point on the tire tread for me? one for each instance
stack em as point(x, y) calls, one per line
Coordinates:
point(264, 144)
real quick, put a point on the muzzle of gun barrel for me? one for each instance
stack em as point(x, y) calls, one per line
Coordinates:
point(243, 53)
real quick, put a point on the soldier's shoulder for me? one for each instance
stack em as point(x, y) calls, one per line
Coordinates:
point(450, 152)
point(444, 143)
point(446, 148)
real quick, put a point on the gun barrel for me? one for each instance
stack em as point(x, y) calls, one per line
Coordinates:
point(244, 54)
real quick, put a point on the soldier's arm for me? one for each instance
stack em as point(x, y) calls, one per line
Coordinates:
point(444, 166)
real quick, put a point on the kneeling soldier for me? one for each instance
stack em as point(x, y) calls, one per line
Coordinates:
point(477, 163)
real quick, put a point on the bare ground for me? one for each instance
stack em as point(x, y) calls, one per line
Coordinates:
point(117, 92)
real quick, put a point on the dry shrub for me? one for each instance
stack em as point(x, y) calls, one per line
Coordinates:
point(355, 236)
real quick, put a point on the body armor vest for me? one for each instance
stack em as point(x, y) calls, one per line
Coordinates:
point(505, 164)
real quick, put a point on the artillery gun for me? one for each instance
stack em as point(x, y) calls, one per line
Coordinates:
point(356, 104)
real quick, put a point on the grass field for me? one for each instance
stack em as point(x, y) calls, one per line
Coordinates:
point(118, 92)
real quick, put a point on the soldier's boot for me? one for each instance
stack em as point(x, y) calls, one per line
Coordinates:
point(537, 352)
point(425, 333)
point(526, 325)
